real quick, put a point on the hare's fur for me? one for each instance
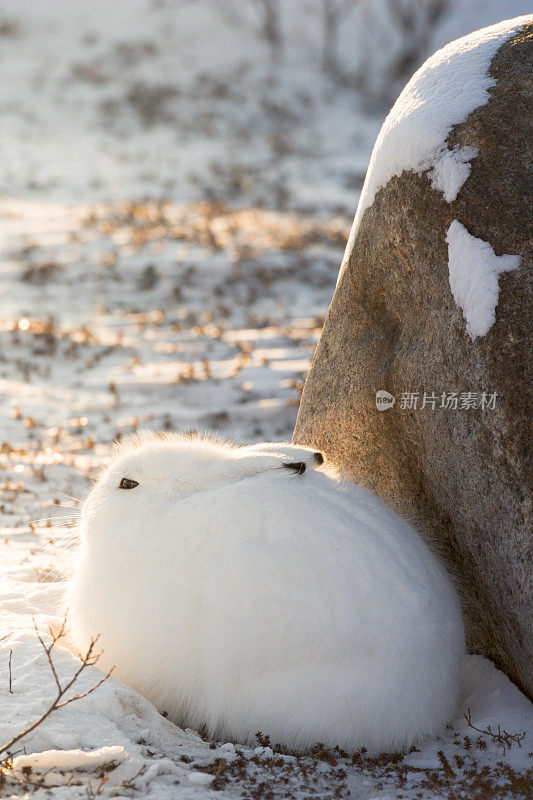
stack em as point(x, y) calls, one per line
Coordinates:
point(241, 595)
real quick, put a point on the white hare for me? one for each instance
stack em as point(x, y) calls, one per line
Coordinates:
point(246, 589)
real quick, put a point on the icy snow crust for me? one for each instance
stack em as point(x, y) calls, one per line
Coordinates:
point(474, 268)
point(71, 760)
point(443, 93)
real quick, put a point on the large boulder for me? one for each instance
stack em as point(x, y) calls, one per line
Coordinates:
point(434, 297)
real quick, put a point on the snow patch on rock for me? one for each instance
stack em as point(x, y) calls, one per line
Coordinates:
point(451, 169)
point(474, 268)
point(446, 89)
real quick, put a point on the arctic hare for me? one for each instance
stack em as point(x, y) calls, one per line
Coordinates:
point(246, 589)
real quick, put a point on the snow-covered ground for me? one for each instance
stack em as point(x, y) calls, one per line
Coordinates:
point(175, 200)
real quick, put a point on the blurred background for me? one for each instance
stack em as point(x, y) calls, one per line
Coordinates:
point(177, 185)
point(259, 103)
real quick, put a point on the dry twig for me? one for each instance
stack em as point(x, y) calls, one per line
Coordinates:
point(501, 737)
point(88, 660)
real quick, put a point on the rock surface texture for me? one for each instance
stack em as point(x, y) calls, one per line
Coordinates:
point(395, 324)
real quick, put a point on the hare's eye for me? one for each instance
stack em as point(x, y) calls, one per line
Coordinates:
point(127, 483)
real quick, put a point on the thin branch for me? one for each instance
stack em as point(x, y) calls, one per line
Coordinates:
point(88, 691)
point(502, 737)
point(47, 651)
point(10, 673)
point(88, 660)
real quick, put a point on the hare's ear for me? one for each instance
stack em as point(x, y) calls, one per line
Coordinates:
point(297, 466)
point(319, 458)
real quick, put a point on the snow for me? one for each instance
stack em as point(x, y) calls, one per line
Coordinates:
point(70, 760)
point(200, 778)
point(126, 303)
point(451, 169)
point(473, 269)
point(463, 18)
point(442, 93)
